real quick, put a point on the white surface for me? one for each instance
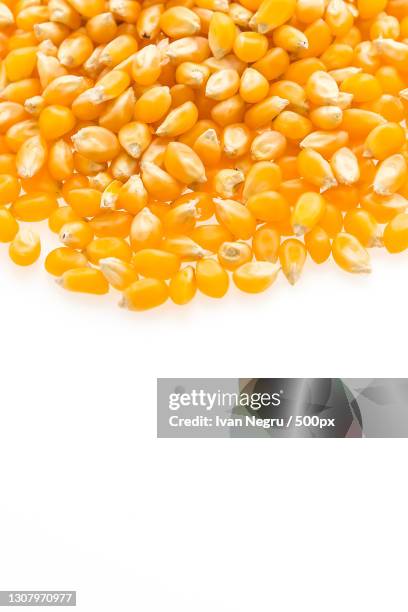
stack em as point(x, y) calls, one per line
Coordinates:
point(90, 500)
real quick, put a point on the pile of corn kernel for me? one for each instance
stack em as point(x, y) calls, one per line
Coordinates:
point(174, 145)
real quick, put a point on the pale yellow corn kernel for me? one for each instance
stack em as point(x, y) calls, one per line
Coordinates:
point(235, 217)
point(88, 8)
point(6, 16)
point(392, 50)
point(240, 15)
point(155, 151)
point(321, 88)
point(345, 166)
point(146, 230)
point(256, 276)
point(221, 34)
point(34, 105)
point(338, 17)
point(25, 249)
point(96, 143)
point(307, 212)
point(264, 112)
point(148, 22)
point(325, 143)
point(159, 183)
point(290, 38)
point(350, 255)
point(315, 169)
point(60, 160)
point(119, 274)
point(268, 146)
point(232, 255)
point(146, 66)
point(391, 175)
point(110, 86)
point(222, 85)
point(272, 14)
point(227, 181)
point(179, 21)
point(188, 49)
point(178, 121)
point(192, 74)
point(254, 87)
point(65, 88)
point(110, 195)
point(292, 257)
point(75, 50)
point(135, 137)
point(123, 166)
point(208, 147)
point(184, 247)
point(184, 164)
point(183, 286)
point(236, 140)
point(31, 157)
point(100, 180)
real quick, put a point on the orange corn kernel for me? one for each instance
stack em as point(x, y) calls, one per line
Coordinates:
point(144, 294)
point(9, 188)
point(183, 286)
point(256, 276)
point(100, 248)
point(265, 243)
point(34, 206)
point(212, 279)
point(307, 212)
point(236, 217)
point(292, 257)
point(318, 244)
point(76, 234)
point(396, 234)
point(361, 224)
point(8, 226)
point(231, 255)
point(84, 280)
point(350, 255)
point(62, 259)
point(96, 143)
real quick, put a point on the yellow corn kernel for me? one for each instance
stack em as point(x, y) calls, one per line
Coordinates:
point(159, 183)
point(100, 248)
point(396, 234)
point(264, 112)
point(148, 22)
point(118, 50)
point(370, 8)
point(210, 237)
point(85, 202)
point(327, 117)
point(290, 38)
point(87, 167)
point(153, 105)
point(132, 195)
point(308, 11)
point(183, 286)
point(182, 218)
point(307, 212)
point(272, 14)
point(235, 217)
point(349, 254)
point(135, 137)
point(6, 16)
point(229, 111)
point(156, 263)
point(55, 121)
point(20, 63)
point(144, 294)
point(60, 160)
point(254, 86)
point(25, 248)
point(318, 244)
point(60, 216)
point(321, 88)
point(268, 206)
point(337, 55)
point(119, 111)
point(34, 105)
point(113, 223)
point(359, 122)
point(20, 132)
point(292, 257)
point(9, 188)
point(8, 164)
point(208, 147)
point(184, 164)
point(361, 224)
point(146, 230)
point(222, 84)
point(231, 255)
point(178, 121)
point(8, 226)
point(262, 176)
point(110, 195)
point(62, 259)
point(146, 66)
point(292, 125)
point(221, 34)
point(212, 279)
point(184, 247)
point(84, 280)
point(64, 89)
point(96, 143)
point(101, 28)
point(315, 169)
point(227, 181)
point(192, 74)
point(34, 206)
point(31, 157)
point(256, 276)
point(268, 146)
point(332, 220)
point(76, 234)
point(236, 140)
point(179, 21)
point(384, 140)
point(188, 49)
point(345, 166)
point(391, 174)
point(265, 243)
point(293, 92)
point(123, 166)
point(75, 50)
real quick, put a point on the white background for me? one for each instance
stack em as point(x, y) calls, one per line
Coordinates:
point(91, 500)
